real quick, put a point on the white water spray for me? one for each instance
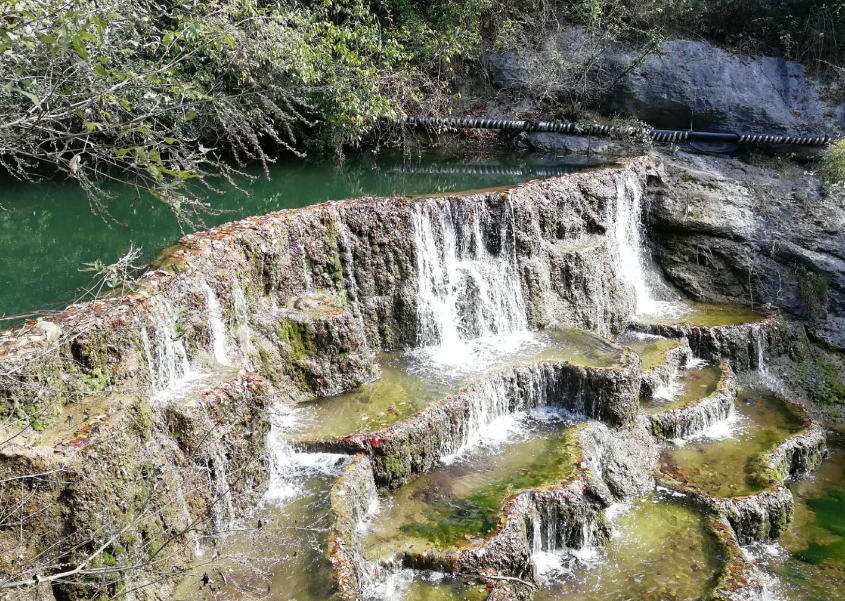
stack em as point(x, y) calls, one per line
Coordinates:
point(215, 324)
point(633, 256)
point(166, 357)
point(464, 291)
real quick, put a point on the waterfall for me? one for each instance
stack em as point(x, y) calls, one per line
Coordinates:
point(244, 334)
point(224, 511)
point(164, 351)
point(464, 291)
point(769, 379)
point(633, 255)
point(289, 468)
point(215, 324)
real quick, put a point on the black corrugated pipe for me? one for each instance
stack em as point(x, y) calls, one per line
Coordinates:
point(577, 129)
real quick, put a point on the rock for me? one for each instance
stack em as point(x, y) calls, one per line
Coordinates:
point(554, 143)
point(49, 330)
point(730, 232)
point(686, 85)
point(695, 85)
point(507, 70)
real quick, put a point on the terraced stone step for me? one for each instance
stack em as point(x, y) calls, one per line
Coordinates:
point(721, 333)
point(460, 503)
point(413, 381)
point(658, 549)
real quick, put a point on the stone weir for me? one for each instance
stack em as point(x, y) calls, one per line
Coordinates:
point(611, 464)
point(417, 444)
point(765, 514)
point(695, 417)
point(745, 345)
point(307, 296)
point(289, 306)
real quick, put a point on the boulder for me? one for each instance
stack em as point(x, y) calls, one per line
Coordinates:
point(685, 85)
point(726, 231)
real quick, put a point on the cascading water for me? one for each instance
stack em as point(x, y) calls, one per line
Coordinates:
point(465, 292)
point(633, 256)
point(289, 468)
point(244, 334)
point(215, 324)
point(224, 511)
point(164, 351)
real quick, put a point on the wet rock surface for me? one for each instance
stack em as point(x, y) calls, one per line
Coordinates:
point(728, 231)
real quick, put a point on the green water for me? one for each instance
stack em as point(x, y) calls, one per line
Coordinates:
point(652, 351)
point(280, 554)
point(693, 385)
point(410, 382)
point(659, 552)
point(48, 230)
point(444, 588)
point(727, 468)
point(456, 504)
point(811, 566)
point(709, 315)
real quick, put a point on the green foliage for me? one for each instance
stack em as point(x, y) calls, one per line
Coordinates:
point(833, 163)
point(171, 98)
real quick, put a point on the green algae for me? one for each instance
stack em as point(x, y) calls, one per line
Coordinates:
point(735, 466)
point(659, 551)
point(709, 315)
point(652, 351)
point(812, 564)
point(693, 385)
point(455, 504)
point(397, 395)
point(444, 589)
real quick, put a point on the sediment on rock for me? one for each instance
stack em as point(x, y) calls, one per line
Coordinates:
point(417, 444)
point(149, 482)
point(352, 496)
point(695, 417)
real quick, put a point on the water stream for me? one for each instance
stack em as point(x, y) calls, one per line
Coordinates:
point(808, 562)
point(658, 550)
point(460, 501)
point(414, 380)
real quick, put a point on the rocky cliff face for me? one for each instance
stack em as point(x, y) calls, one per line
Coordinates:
point(685, 84)
point(726, 231)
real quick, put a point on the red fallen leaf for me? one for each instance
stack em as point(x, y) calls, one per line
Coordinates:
point(376, 440)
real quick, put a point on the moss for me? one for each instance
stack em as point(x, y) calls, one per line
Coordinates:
point(813, 290)
point(336, 277)
point(298, 338)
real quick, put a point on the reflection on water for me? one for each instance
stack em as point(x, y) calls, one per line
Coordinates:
point(658, 551)
point(48, 230)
